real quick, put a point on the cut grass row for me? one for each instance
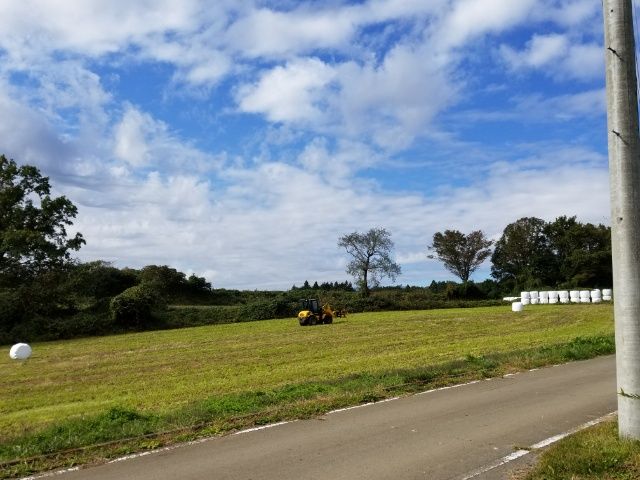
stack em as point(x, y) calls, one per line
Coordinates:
point(161, 387)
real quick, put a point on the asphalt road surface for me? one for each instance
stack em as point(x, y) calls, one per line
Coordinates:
point(452, 433)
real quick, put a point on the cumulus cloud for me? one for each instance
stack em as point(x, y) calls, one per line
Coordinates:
point(289, 93)
point(557, 55)
point(278, 224)
point(333, 92)
point(468, 19)
point(142, 141)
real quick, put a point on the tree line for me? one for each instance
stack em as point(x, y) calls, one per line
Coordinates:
point(44, 290)
point(531, 253)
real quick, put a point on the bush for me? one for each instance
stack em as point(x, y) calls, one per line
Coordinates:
point(136, 306)
point(277, 308)
point(100, 280)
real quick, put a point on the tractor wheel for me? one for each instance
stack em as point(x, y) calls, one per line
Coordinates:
point(312, 320)
point(303, 321)
point(328, 319)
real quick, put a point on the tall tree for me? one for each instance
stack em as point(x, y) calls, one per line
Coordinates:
point(461, 254)
point(33, 224)
point(371, 257)
point(523, 256)
point(582, 252)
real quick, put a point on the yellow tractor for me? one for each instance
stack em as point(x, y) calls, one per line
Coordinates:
point(313, 314)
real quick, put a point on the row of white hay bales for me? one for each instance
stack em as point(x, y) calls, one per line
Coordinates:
point(562, 296)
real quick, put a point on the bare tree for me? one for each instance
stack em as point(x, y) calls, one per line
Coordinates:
point(371, 252)
point(461, 254)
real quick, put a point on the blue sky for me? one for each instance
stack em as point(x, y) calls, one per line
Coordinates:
point(239, 139)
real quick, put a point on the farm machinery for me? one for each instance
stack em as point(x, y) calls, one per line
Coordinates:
point(312, 313)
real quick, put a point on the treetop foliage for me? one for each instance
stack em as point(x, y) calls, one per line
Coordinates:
point(461, 254)
point(533, 253)
point(33, 225)
point(371, 257)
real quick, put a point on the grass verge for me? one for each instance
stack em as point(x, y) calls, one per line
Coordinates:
point(118, 431)
point(593, 454)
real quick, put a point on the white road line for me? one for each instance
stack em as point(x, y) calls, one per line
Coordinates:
point(544, 443)
point(52, 474)
point(263, 427)
point(449, 387)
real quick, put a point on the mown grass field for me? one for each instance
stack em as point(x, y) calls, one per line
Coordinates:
point(160, 373)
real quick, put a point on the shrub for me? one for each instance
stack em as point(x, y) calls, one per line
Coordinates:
point(277, 308)
point(136, 306)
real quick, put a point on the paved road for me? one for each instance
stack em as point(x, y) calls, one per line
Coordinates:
point(445, 434)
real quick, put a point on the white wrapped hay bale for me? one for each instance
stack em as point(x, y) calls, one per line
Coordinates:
point(526, 301)
point(534, 294)
point(596, 294)
point(585, 296)
point(596, 300)
point(563, 294)
point(544, 297)
point(516, 307)
point(535, 301)
point(574, 295)
point(524, 295)
point(20, 351)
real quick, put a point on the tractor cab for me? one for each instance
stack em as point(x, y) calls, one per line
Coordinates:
point(311, 304)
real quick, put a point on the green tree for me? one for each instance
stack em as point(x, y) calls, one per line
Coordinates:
point(461, 254)
point(99, 279)
point(164, 279)
point(371, 257)
point(582, 252)
point(33, 224)
point(198, 284)
point(523, 257)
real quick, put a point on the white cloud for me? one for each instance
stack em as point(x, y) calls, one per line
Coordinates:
point(395, 101)
point(289, 93)
point(266, 32)
point(92, 27)
point(148, 193)
point(130, 142)
point(139, 140)
point(468, 19)
point(278, 224)
point(557, 55)
point(590, 103)
point(540, 51)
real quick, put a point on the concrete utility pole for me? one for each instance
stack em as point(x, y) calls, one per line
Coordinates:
point(624, 168)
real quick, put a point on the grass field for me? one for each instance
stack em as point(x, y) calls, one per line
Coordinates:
point(192, 375)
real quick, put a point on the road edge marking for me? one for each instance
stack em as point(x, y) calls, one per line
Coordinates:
point(536, 446)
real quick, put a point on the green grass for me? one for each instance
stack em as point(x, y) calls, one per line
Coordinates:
point(207, 380)
point(594, 454)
